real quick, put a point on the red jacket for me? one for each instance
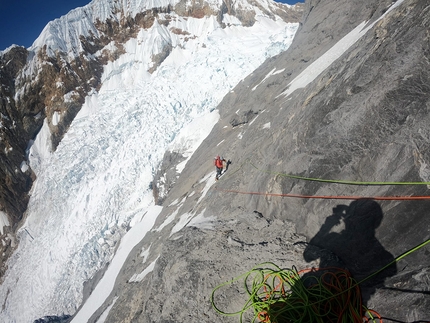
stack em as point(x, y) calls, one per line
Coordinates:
point(218, 162)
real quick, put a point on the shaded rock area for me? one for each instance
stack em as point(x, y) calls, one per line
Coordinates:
point(53, 319)
point(166, 176)
point(13, 139)
point(364, 118)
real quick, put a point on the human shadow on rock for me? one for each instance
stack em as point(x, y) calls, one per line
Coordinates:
point(353, 247)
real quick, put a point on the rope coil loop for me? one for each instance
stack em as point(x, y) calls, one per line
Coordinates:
point(328, 295)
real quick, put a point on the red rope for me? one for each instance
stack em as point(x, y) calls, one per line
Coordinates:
point(335, 197)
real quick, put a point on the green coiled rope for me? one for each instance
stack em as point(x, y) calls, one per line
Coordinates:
point(284, 296)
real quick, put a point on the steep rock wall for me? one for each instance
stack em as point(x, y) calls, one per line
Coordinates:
point(363, 118)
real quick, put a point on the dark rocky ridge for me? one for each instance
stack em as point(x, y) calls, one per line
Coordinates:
point(365, 118)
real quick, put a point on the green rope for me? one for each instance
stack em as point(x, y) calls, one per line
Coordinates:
point(403, 255)
point(333, 181)
point(281, 295)
point(338, 181)
point(278, 295)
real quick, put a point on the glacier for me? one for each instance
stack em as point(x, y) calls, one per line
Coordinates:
point(96, 186)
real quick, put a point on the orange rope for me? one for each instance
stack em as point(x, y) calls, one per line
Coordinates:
point(334, 197)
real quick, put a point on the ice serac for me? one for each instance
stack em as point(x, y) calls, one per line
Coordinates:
point(51, 79)
point(95, 102)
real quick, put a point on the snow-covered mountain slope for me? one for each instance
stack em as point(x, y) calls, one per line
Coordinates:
point(96, 184)
point(65, 34)
point(50, 80)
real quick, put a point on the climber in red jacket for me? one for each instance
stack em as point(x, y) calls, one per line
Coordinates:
point(219, 165)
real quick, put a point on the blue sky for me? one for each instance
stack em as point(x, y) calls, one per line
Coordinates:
point(22, 21)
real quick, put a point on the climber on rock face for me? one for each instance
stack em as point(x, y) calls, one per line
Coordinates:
point(219, 165)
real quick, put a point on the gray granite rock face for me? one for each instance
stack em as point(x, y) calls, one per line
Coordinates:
point(364, 118)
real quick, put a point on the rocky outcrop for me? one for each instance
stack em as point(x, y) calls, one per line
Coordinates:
point(16, 178)
point(13, 139)
point(363, 118)
point(166, 176)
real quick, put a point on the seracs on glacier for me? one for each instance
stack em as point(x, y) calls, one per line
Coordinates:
point(95, 186)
